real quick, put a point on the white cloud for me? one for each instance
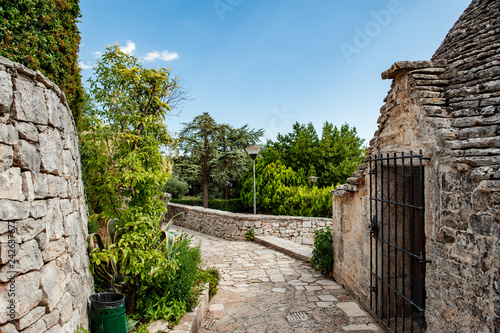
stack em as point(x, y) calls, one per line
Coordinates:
point(83, 66)
point(96, 54)
point(129, 48)
point(164, 55)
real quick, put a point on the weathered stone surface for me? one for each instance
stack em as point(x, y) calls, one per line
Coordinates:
point(28, 291)
point(40, 185)
point(54, 220)
point(29, 257)
point(24, 230)
point(65, 308)
point(11, 184)
point(53, 283)
point(50, 152)
point(35, 126)
point(28, 189)
point(27, 131)
point(38, 209)
point(30, 318)
point(57, 186)
point(26, 156)
point(29, 103)
point(37, 327)
point(51, 318)
point(6, 157)
point(8, 134)
point(53, 249)
point(6, 92)
point(14, 210)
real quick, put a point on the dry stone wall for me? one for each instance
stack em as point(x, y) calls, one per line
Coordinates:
point(450, 108)
point(234, 226)
point(44, 268)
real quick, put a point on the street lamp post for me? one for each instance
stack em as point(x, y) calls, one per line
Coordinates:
point(312, 180)
point(253, 151)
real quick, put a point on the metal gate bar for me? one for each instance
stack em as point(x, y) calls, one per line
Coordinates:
point(397, 241)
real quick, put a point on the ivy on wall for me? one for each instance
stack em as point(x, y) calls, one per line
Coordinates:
point(42, 35)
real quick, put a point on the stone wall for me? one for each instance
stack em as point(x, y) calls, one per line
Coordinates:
point(450, 108)
point(234, 226)
point(44, 268)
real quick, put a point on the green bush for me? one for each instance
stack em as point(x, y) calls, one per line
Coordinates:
point(43, 35)
point(212, 275)
point(230, 205)
point(177, 187)
point(177, 294)
point(250, 235)
point(322, 258)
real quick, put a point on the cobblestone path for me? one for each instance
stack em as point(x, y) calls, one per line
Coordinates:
point(263, 290)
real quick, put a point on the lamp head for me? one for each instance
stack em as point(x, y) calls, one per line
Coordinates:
point(253, 151)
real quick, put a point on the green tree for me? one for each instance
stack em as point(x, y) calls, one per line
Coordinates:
point(333, 158)
point(123, 165)
point(43, 35)
point(213, 152)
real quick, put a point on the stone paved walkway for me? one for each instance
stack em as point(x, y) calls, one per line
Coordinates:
point(263, 290)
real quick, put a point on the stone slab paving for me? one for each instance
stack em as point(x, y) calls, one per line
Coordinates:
point(263, 290)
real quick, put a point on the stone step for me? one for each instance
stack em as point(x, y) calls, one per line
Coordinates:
point(295, 250)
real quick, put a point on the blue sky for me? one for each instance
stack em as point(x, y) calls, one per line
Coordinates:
point(270, 63)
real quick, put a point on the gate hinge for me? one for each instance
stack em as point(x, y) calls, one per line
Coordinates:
point(373, 226)
point(373, 289)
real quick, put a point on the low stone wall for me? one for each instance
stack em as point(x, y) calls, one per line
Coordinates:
point(234, 226)
point(44, 268)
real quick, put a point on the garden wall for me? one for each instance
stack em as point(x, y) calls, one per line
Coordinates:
point(44, 268)
point(233, 226)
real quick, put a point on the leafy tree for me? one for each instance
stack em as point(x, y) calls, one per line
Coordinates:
point(213, 152)
point(333, 158)
point(123, 164)
point(43, 35)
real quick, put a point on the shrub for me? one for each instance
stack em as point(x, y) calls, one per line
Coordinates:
point(171, 298)
point(322, 258)
point(177, 187)
point(250, 235)
point(212, 275)
point(43, 35)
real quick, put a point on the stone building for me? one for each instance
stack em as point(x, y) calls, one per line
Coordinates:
point(44, 267)
point(416, 237)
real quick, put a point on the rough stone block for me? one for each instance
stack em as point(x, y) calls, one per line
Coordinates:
point(8, 328)
point(57, 186)
point(40, 185)
point(50, 152)
point(6, 91)
point(27, 131)
point(25, 230)
point(28, 189)
point(30, 318)
point(6, 157)
point(55, 108)
point(71, 225)
point(37, 327)
point(29, 103)
point(38, 209)
point(28, 290)
point(53, 249)
point(8, 134)
point(11, 185)
point(26, 156)
point(14, 210)
point(28, 257)
point(53, 283)
point(51, 318)
point(54, 220)
point(65, 308)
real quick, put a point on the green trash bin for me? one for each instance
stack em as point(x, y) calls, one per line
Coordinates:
point(107, 313)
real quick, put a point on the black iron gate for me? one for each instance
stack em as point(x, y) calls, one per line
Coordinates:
point(397, 241)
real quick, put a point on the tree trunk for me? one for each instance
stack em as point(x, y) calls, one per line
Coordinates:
point(131, 299)
point(225, 191)
point(205, 171)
